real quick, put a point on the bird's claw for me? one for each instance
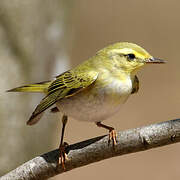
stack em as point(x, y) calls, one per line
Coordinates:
point(62, 155)
point(112, 137)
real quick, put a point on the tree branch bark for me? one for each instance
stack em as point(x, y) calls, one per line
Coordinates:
point(97, 149)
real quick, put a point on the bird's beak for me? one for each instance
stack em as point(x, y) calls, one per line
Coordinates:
point(153, 60)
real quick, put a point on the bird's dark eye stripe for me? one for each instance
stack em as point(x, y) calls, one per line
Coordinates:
point(131, 56)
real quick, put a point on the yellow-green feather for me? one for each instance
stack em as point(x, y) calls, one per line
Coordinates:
point(66, 85)
point(37, 87)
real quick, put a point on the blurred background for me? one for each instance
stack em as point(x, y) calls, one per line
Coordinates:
point(40, 39)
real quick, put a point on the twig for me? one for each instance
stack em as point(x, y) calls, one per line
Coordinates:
point(97, 149)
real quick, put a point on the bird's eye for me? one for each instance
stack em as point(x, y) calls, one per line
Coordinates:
point(131, 56)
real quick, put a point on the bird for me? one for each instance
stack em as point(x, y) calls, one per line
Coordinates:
point(94, 90)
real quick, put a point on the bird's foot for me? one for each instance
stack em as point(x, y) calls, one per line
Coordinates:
point(112, 137)
point(112, 133)
point(62, 155)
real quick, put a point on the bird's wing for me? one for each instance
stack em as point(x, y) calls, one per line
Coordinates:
point(135, 85)
point(65, 85)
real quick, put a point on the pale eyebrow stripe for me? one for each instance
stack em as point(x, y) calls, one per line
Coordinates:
point(123, 51)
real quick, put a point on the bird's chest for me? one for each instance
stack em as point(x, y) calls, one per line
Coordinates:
point(115, 92)
point(97, 102)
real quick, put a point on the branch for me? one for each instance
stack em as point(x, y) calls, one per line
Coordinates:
point(97, 149)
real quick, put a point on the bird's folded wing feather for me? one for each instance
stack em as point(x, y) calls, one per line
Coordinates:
point(135, 85)
point(65, 85)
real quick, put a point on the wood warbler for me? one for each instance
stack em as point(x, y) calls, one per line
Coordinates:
point(94, 90)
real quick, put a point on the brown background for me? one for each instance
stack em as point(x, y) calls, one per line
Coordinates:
point(155, 25)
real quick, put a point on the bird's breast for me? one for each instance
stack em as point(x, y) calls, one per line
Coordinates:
point(97, 102)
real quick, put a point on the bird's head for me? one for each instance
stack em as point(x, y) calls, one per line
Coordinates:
point(128, 57)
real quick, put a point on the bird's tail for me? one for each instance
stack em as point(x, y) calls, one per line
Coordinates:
point(41, 87)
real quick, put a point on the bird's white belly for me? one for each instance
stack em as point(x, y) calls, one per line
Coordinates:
point(97, 105)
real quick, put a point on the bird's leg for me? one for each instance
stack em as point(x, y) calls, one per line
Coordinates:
point(62, 146)
point(112, 133)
